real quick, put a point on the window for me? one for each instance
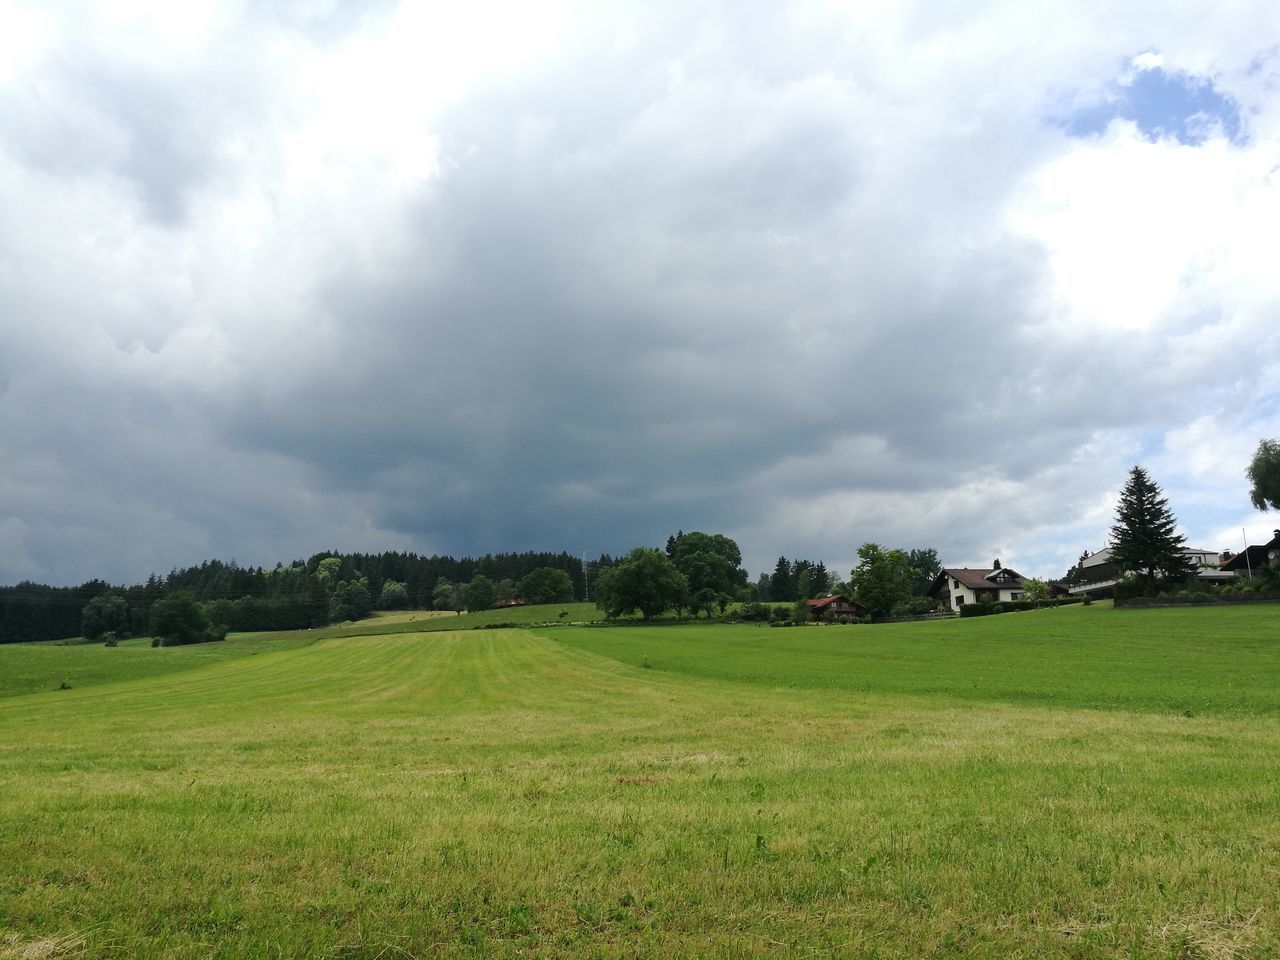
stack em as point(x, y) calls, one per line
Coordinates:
point(1015, 595)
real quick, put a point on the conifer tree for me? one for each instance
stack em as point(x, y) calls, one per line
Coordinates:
point(1143, 540)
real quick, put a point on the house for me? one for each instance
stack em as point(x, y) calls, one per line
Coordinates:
point(1099, 573)
point(833, 608)
point(956, 586)
point(1253, 559)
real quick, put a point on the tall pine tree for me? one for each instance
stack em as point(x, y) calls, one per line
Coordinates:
point(1143, 540)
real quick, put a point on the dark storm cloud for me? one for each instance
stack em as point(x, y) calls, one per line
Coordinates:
point(678, 270)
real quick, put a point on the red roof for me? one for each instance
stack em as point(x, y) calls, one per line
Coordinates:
point(824, 602)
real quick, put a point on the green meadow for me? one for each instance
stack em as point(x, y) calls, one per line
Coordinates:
point(1074, 783)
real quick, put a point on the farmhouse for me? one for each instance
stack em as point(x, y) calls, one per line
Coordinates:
point(833, 607)
point(956, 586)
point(1099, 573)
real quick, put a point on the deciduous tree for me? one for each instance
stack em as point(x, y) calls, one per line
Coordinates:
point(881, 580)
point(645, 580)
point(350, 600)
point(1036, 591)
point(107, 613)
point(177, 619)
point(1264, 476)
point(394, 596)
point(447, 596)
point(545, 585)
point(480, 593)
point(925, 568)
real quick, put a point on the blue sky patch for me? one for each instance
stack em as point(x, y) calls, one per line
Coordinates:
point(1162, 103)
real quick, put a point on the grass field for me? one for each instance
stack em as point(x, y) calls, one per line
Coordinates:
point(411, 622)
point(1223, 661)
point(915, 790)
point(31, 667)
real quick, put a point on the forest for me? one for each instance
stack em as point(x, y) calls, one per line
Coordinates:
point(285, 597)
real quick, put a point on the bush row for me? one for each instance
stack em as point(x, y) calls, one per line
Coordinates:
point(986, 609)
point(1182, 599)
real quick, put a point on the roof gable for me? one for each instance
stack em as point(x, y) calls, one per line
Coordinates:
point(981, 579)
point(822, 603)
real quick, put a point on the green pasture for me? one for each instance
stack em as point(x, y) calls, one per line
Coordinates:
point(421, 621)
point(913, 790)
point(33, 667)
point(1218, 660)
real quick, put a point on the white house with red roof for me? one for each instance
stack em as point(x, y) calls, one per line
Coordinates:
point(956, 586)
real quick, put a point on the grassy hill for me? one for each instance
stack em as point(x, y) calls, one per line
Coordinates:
point(1203, 660)
point(500, 793)
point(31, 667)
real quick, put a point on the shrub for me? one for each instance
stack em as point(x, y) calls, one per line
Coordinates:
point(755, 611)
point(177, 619)
point(998, 608)
point(781, 613)
point(1128, 588)
point(913, 607)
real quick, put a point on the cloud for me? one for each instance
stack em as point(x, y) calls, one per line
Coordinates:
point(383, 277)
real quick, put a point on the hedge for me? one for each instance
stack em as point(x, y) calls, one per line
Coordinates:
point(986, 609)
point(1199, 598)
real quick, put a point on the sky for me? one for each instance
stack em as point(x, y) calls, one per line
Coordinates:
point(280, 277)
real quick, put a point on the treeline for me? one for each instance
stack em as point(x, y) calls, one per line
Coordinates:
point(33, 611)
point(700, 571)
point(327, 587)
point(215, 580)
point(794, 580)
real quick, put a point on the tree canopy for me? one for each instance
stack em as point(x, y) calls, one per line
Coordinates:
point(176, 619)
point(350, 600)
point(394, 596)
point(481, 593)
point(107, 613)
point(644, 580)
point(925, 568)
point(882, 579)
point(1264, 476)
point(1143, 539)
point(1035, 590)
point(712, 567)
point(545, 585)
point(799, 580)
